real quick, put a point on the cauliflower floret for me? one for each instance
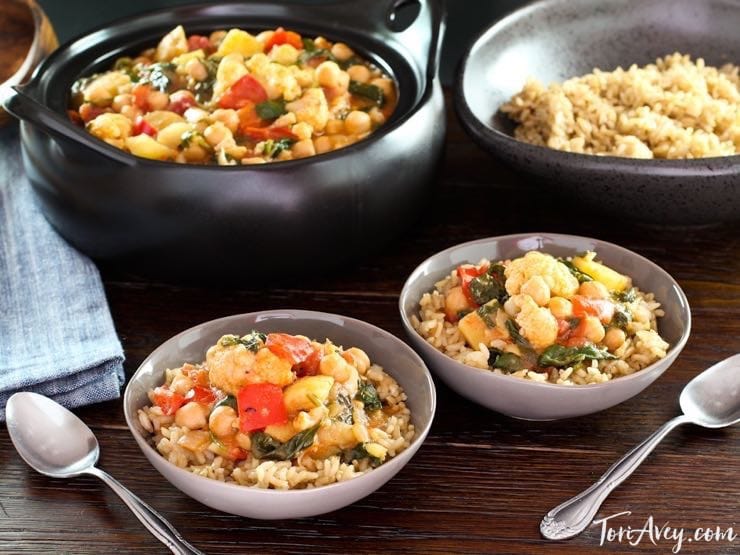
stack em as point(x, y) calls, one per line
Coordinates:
point(270, 368)
point(311, 108)
point(229, 367)
point(536, 324)
point(114, 129)
point(278, 80)
point(101, 90)
point(231, 68)
point(555, 274)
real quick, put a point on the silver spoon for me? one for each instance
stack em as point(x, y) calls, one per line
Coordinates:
point(711, 400)
point(56, 443)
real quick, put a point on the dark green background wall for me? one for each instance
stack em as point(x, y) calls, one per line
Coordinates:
point(466, 18)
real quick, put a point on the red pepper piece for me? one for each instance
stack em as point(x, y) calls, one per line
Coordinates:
point(289, 347)
point(281, 36)
point(260, 405)
point(143, 126)
point(168, 400)
point(601, 308)
point(265, 133)
point(247, 89)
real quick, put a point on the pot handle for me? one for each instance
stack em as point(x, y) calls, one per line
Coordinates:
point(26, 108)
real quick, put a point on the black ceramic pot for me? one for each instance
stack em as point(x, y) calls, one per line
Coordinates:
point(283, 219)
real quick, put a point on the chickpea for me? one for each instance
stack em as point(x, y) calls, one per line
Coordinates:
point(228, 117)
point(143, 60)
point(385, 85)
point(593, 290)
point(303, 149)
point(121, 100)
point(334, 365)
point(377, 116)
point(357, 123)
point(253, 160)
point(321, 42)
point(593, 330)
point(195, 115)
point(216, 133)
point(322, 144)
point(357, 358)
point(328, 73)
point(303, 130)
point(195, 153)
point(359, 73)
point(191, 415)
point(158, 100)
point(244, 441)
point(334, 126)
point(196, 70)
point(614, 339)
point(560, 307)
point(341, 51)
point(216, 37)
point(339, 141)
point(131, 112)
point(181, 384)
point(223, 421)
point(537, 288)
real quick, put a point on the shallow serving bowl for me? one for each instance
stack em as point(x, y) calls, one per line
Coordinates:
point(262, 221)
point(532, 400)
point(396, 358)
point(554, 40)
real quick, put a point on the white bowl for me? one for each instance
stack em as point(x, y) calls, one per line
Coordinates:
point(399, 360)
point(528, 399)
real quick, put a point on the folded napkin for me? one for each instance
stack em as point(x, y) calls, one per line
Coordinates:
point(56, 333)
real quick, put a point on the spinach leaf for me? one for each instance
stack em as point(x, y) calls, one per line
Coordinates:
point(344, 406)
point(579, 275)
point(357, 453)
point(203, 90)
point(273, 147)
point(621, 317)
point(371, 92)
point(628, 296)
point(309, 53)
point(252, 341)
point(309, 45)
point(367, 393)
point(264, 446)
point(508, 362)
point(487, 312)
point(270, 109)
point(488, 286)
point(126, 65)
point(560, 356)
point(161, 75)
point(518, 338)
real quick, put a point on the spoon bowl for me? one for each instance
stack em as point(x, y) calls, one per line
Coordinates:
point(711, 399)
point(56, 443)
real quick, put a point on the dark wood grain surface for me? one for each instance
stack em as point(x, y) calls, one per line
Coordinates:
point(481, 482)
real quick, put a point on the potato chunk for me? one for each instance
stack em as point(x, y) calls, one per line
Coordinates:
point(305, 393)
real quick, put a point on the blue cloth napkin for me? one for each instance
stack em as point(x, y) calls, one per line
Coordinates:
point(56, 333)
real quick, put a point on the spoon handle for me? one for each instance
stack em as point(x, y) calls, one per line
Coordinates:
point(573, 517)
point(154, 522)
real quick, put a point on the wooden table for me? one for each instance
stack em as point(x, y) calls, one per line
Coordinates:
point(481, 482)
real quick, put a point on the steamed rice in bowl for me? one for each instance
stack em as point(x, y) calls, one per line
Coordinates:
point(570, 321)
point(278, 411)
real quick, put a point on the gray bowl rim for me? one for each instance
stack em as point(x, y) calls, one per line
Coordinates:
point(419, 438)
point(490, 138)
point(677, 348)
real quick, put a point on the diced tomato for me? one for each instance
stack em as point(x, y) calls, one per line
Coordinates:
point(246, 89)
point(309, 366)
point(281, 36)
point(289, 347)
point(143, 126)
point(202, 395)
point(199, 375)
point(260, 405)
point(141, 96)
point(601, 308)
point(248, 117)
point(75, 117)
point(264, 133)
point(196, 42)
point(181, 101)
point(168, 400)
point(577, 335)
point(237, 453)
point(466, 275)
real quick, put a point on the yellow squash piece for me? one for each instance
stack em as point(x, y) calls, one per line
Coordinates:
point(146, 147)
point(476, 330)
point(305, 393)
point(281, 432)
point(613, 280)
point(240, 42)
